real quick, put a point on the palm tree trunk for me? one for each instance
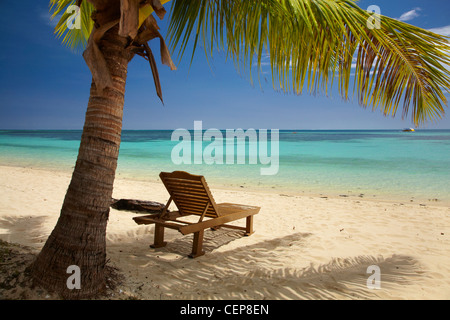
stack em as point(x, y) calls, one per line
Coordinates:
point(79, 235)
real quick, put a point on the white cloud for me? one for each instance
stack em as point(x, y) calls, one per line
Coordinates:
point(47, 18)
point(445, 31)
point(414, 13)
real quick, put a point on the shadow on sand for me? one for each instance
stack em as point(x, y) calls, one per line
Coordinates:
point(255, 271)
point(258, 271)
point(26, 230)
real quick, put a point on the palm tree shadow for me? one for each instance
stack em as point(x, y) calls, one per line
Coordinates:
point(259, 271)
point(23, 229)
point(341, 278)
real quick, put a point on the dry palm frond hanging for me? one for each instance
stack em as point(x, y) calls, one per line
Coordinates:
point(138, 32)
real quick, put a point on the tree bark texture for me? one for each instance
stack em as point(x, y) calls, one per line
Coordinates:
point(79, 237)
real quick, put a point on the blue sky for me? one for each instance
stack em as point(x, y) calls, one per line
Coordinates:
point(44, 85)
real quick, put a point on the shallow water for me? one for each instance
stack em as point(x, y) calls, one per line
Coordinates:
point(389, 165)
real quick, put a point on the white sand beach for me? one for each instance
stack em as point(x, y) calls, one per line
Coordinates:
point(304, 247)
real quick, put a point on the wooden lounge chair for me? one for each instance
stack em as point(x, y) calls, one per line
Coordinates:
point(191, 195)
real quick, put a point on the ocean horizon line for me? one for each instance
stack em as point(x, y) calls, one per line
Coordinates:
point(281, 130)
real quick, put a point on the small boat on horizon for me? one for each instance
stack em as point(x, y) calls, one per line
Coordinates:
point(408, 130)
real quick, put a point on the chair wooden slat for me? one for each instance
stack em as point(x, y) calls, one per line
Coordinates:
point(192, 196)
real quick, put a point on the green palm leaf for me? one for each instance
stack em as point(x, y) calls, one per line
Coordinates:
point(72, 37)
point(310, 42)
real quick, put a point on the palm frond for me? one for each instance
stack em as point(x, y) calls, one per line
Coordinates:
point(310, 42)
point(78, 38)
point(75, 38)
point(136, 23)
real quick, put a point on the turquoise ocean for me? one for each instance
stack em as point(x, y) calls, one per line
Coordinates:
point(379, 164)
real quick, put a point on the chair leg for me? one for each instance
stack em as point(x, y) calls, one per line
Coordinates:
point(159, 237)
point(197, 245)
point(249, 226)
